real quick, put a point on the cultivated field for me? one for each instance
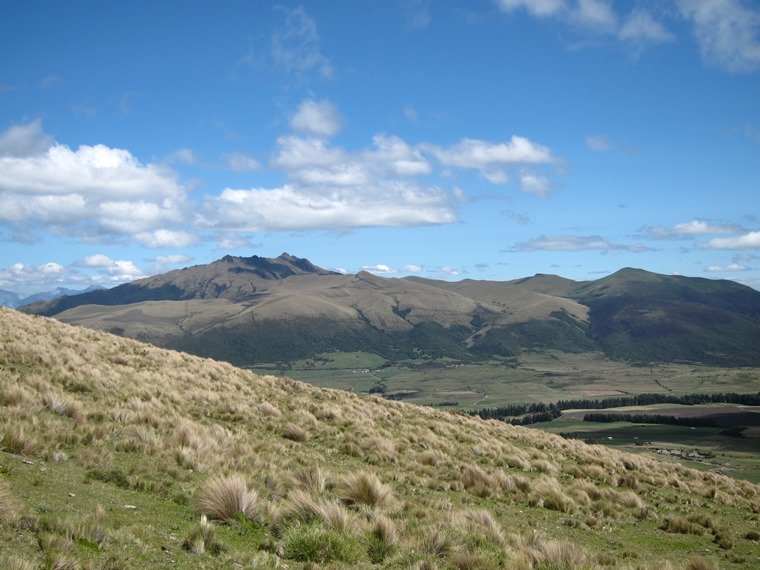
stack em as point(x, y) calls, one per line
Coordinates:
point(541, 377)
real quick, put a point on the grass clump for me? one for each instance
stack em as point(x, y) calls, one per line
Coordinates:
point(364, 489)
point(314, 543)
point(223, 496)
point(201, 538)
point(382, 539)
point(679, 525)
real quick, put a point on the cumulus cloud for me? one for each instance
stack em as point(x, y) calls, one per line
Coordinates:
point(25, 140)
point(22, 275)
point(101, 194)
point(114, 271)
point(378, 269)
point(165, 238)
point(97, 269)
point(384, 203)
point(750, 240)
point(478, 154)
point(91, 190)
point(575, 243)
point(317, 117)
point(411, 269)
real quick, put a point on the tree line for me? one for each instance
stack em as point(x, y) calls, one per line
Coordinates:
point(525, 414)
point(601, 417)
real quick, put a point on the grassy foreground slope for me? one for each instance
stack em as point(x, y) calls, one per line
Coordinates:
point(116, 454)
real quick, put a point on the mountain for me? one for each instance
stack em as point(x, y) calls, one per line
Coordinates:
point(10, 299)
point(251, 310)
point(14, 300)
point(117, 454)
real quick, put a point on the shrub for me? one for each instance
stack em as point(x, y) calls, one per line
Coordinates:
point(364, 488)
point(223, 496)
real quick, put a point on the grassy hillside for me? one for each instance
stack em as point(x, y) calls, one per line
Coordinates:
point(116, 454)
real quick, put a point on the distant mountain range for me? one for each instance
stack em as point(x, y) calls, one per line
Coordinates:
point(14, 300)
point(249, 310)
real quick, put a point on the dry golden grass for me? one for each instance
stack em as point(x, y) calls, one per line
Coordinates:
point(372, 481)
point(224, 496)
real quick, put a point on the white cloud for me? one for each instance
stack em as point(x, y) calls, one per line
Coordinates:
point(727, 32)
point(599, 142)
point(726, 268)
point(750, 240)
point(123, 270)
point(312, 161)
point(98, 260)
point(23, 276)
point(640, 26)
point(539, 8)
point(593, 14)
point(93, 190)
point(296, 46)
point(22, 141)
point(378, 269)
point(317, 117)
point(575, 243)
point(535, 183)
point(176, 259)
point(383, 203)
point(697, 227)
point(183, 156)
point(165, 238)
point(241, 162)
point(473, 153)
point(449, 271)
point(411, 269)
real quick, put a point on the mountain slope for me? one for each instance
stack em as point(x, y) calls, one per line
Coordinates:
point(112, 450)
point(645, 316)
point(253, 310)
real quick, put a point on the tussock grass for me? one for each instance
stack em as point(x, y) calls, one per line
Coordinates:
point(224, 496)
point(87, 418)
point(364, 488)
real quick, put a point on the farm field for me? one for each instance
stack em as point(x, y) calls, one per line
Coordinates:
point(541, 377)
point(731, 448)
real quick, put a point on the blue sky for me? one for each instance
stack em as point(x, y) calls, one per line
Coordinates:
point(451, 139)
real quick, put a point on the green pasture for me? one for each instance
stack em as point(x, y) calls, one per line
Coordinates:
point(535, 377)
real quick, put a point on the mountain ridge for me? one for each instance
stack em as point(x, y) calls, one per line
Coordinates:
point(298, 309)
